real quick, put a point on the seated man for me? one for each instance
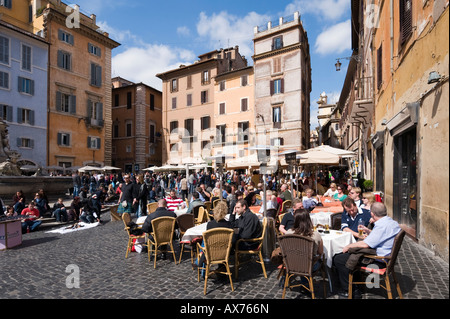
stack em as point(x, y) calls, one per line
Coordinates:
point(380, 238)
point(59, 211)
point(161, 211)
point(33, 214)
point(196, 202)
point(248, 225)
point(173, 201)
point(288, 219)
point(351, 216)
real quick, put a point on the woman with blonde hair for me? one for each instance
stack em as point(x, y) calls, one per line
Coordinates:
point(219, 213)
point(331, 191)
point(368, 199)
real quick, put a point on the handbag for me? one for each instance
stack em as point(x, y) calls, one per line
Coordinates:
point(124, 204)
point(276, 257)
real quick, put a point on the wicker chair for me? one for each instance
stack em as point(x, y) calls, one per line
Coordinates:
point(384, 273)
point(257, 251)
point(217, 201)
point(185, 222)
point(162, 234)
point(298, 260)
point(126, 218)
point(207, 206)
point(114, 215)
point(272, 212)
point(202, 216)
point(217, 249)
point(151, 208)
point(336, 221)
point(285, 206)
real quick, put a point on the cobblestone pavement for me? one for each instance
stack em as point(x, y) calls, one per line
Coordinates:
point(37, 269)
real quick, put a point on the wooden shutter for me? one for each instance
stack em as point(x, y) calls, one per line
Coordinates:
point(405, 20)
point(379, 67)
point(244, 105)
point(272, 87)
point(73, 104)
point(282, 86)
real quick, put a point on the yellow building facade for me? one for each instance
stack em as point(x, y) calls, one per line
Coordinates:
point(411, 120)
point(79, 80)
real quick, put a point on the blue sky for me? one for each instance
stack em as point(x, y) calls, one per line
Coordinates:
point(157, 36)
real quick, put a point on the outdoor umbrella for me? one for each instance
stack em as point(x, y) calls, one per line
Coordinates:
point(318, 157)
point(110, 168)
point(337, 151)
point(88, 169)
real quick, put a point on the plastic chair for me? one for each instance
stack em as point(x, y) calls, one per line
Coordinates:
point(163, 228)
point(257, 251)
point(384, 273)
point(126, 218)
point(217, 249)
point(298, 260)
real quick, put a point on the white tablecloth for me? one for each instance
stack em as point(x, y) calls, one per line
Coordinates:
point(322, 218)
point(334, 242)
point(194, 232)
point(180, 212)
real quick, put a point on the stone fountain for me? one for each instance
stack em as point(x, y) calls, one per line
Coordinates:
point(11, 179)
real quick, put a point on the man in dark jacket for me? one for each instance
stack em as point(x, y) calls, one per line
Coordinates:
point(161, 211)
point(248, 225)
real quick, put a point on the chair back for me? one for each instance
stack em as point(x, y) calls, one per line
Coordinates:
point(185, 222)
point(114, 215)
point(285, 206)
point(195, 211)
point(163, 228)
point(151, 208)
point(336, 221)
point(126, 218)
point(395, 249)
point(297, 254)
point(207, 206)
point(202, 215)
point(263, 234)
point(280, 217)
point(218, 244)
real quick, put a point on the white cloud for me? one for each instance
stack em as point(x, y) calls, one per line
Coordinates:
point(183, 31)
point(141, 64)
point(223, 29)
point(325, 9)
point(335, 39)
point(119, 35)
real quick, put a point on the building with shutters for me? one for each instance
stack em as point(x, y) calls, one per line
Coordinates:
point(283, 82)
point(190, 105)
point(78, 111)
point(23, 92)
point(137, 126)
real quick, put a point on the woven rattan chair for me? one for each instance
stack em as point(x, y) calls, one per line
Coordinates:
point(202, 216)
point(385, 272)
point(185, 222)
point(285, 206)
point(162, 234)
point(126, 218)
point(298, 260)
point(217, 201)
point(217, 249)
point(151, 208)
point(257, 251)
point(114, 215)
point(336, 221)
point(208, 206)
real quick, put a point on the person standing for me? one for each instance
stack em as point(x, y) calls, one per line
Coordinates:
point(142, 194)
point(127, 196)
point(76, 178)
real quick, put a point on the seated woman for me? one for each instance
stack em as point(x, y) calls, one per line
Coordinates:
point(368, 199)
point(340, 196)
point(303, 226)
point(331, 191)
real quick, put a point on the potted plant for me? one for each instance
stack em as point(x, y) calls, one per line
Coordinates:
point(368, 185)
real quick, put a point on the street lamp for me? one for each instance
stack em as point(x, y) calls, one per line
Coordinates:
point(338, 64)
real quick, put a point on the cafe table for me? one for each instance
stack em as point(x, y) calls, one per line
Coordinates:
point(323, 218)
point(330, 202)
point(194, 232)
point(333, 209)
point(334, 243)
point(181, 211)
